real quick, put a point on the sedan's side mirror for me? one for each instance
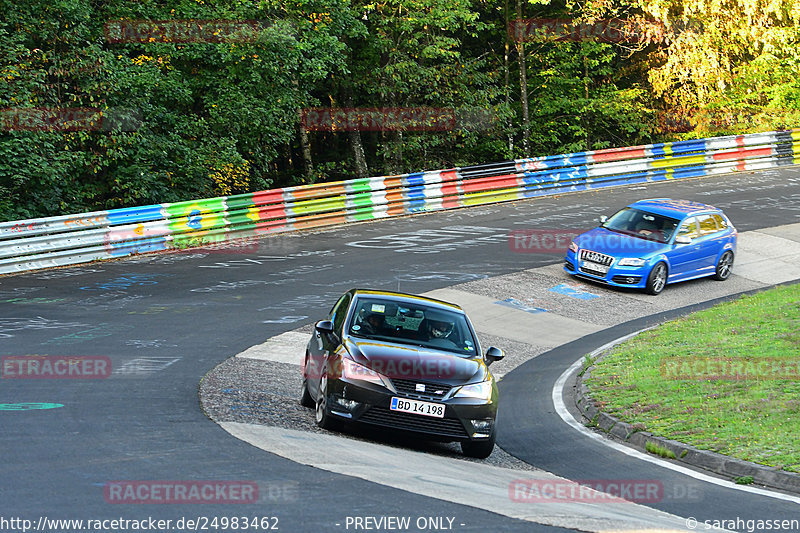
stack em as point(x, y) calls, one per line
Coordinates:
point(324, 326)
point(603, 219)
point(494, 354)
point(683, 239)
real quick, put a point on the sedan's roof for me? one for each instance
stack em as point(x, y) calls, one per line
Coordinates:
point(672, 208)
point(408, 298)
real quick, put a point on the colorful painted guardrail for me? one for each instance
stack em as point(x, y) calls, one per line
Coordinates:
point(72, 239)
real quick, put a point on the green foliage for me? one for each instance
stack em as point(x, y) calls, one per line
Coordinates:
point(666, 378)
point(659, 450)
point(185, 120)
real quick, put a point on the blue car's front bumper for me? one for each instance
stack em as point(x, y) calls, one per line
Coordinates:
point(618, 276)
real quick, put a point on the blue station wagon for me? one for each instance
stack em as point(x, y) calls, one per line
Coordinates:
point(651, 243)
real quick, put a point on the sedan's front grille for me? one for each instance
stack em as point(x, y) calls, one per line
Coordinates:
point(596, 257)
point(430, 391)
point(446, 427)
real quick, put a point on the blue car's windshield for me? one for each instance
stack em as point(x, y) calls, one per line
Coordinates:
point(414, 324)
point(642, 224)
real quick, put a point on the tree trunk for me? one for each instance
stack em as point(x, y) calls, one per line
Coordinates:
point(506, 87)
point(305, 149)
point(523, 82)
point(305, 145)
point(354, 136)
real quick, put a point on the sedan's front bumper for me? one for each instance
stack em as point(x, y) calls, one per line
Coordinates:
point(369, 404)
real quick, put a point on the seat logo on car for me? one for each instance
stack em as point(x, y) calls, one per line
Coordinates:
point(420, 387)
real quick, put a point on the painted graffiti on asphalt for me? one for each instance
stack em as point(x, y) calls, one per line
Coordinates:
point(11, 326)
point(97, 332)
point(124, 282)
point(58, 274)
point(233, 285)
point(261, 259)
point(434, 241)
point(143, 366)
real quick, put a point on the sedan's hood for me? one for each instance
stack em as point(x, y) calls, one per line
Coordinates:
point(618, 244)
point(399, 361)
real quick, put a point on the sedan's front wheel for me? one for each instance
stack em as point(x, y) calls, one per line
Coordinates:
point(480, 449)
point(724, 266)
point(305, 397)
point(657, 279)
point(323, 416)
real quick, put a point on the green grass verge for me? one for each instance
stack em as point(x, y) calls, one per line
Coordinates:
point(724, 379)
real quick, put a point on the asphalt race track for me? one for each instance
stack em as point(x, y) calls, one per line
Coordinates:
point(166, 320)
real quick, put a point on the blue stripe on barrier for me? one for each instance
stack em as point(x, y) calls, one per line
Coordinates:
point(153, 244)
point(414, 180)
point(129, 215)
point(415, 194)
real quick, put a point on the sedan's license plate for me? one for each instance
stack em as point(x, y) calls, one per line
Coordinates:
point(418, 408)
point(597, 267)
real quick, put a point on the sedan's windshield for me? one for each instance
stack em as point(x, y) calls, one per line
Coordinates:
point(414, 324)
point(642, 224)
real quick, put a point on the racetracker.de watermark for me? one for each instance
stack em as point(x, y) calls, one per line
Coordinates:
point(55, 367)
point(687, 119)
point(602, 30)
point(541, 241)
point(729, 369)
point(418, 369)
point(586, 491)
point(65, 119)
point(395, 119)
point(180, 492)
point(183, 31)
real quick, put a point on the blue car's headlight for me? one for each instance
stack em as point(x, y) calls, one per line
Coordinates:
point(632, 262)
point(481, 391)
point(573, 247)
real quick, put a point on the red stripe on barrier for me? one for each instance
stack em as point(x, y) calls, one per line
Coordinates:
point(450, 195)
point(273, 196)
point(449, 175)
point(490, 184)
point(740, 153)
point(618, 154)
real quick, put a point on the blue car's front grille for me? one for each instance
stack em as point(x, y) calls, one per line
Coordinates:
point(594, 263)
point(596, 257)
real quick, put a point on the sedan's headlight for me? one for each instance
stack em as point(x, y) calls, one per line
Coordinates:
point(573, 247)
point(481, 391)
point(632, 262)
point(353, 370)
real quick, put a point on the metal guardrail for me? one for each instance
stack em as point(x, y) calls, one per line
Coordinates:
point(72, 239)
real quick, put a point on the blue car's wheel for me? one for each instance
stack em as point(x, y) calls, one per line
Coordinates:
point(657, 279)
point(724, 266)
